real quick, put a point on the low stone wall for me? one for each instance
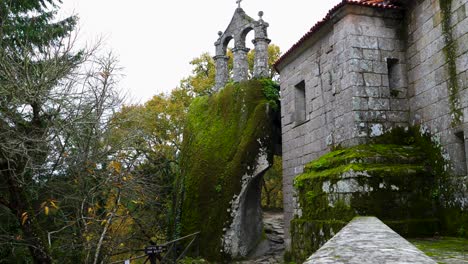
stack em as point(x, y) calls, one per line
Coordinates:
point(368, 240)
point(386, 178)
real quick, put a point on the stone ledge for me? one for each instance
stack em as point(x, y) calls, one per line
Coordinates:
point(368, 240)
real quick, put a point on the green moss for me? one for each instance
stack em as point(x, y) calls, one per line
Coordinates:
point(222, 138)
point(396, 177)
point(443, 249)
point(442, 243)
point(455, 222)
point(388, 153)
point(271, 90)
point(452, 219)
point(310, 235)
point(387, 170)
point(450, 51)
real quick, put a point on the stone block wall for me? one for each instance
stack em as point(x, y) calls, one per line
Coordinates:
point(434, 100)
point(305, 140)
point(349, 97)
point(375, 72)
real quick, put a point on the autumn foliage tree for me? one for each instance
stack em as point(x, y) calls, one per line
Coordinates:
point(84, 178)
point(202, 78)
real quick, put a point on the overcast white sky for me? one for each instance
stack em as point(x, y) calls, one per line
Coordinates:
point(155, 40)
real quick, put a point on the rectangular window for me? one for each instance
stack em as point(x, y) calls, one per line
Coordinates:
point(300, 103)
point(393, 74)
point(462, 145)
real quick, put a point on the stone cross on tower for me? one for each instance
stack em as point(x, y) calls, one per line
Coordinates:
point(238, 2)
point(241, 24)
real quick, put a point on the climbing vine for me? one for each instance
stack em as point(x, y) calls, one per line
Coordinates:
point(450, 50)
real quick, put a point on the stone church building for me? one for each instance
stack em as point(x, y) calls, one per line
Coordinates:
point(368, 67)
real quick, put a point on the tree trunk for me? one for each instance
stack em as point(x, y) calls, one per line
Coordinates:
point(267, 194)
point(33, 234)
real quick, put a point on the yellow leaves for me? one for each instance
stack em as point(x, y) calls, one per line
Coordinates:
point(117, 185)
point(137, 202)
point(104, 222)
point(53, 204)
point(90, 210)
point(48, 205)
point(115, 166)
point(24, 218)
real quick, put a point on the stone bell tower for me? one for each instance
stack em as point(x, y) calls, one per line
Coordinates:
point(241, 24)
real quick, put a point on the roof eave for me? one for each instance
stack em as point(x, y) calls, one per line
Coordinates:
point(332, 16)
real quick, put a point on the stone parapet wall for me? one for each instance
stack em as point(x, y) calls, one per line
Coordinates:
point(368, 240)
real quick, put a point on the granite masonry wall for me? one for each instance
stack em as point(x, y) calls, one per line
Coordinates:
point(434, 100)
point(370, 69)
point(344, 71)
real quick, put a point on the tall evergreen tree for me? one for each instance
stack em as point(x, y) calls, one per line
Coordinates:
point(34, 58)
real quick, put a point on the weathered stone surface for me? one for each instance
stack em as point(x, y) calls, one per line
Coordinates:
point(389, 180)
point(398, 69)
point(228, 144)
point(246, 227)
point(271, 249)
point(241, 24)
point(349, 98)
point(368, 240)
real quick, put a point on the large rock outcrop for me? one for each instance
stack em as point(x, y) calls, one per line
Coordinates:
point(228, 143)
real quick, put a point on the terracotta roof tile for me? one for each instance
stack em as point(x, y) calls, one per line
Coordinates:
point(385, 4)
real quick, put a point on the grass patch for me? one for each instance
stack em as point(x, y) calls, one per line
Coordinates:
point(444, 249)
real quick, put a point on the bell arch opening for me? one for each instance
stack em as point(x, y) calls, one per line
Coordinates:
point(245, 38)
point(243, 67)
point(227, 44)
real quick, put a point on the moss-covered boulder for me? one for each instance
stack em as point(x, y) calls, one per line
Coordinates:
point(395, 178)
point(228, 138)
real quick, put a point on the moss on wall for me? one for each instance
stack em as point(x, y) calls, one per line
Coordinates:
point(311, 234)
point(399, 177)
point(450, 52)
point(443, 249)
point(222, 138)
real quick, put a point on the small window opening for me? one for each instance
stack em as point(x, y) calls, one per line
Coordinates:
point(300, 102)
point(393, 76)
point(461, 140)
